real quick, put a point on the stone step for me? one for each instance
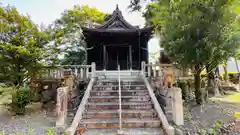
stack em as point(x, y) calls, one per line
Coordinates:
point(114, 77)
point(115, 93)
point(122, 82)
point(115, 87)
point(126, 131)
point(116, 98)
point(96, 114)
point(115, 105)
point(114, 123)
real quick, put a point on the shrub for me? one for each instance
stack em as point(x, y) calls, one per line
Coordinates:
point(186, 86)
point(20, 99)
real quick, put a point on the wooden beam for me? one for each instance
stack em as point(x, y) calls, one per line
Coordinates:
point(130, 56)
point(104, 56)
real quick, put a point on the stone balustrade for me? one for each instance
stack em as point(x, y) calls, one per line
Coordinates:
point(64, 92)
point(164, 75)
point(169, 130)
point(81, 72)
point(78, 116)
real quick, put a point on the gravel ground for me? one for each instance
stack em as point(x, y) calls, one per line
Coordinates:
point(37, 123)
point(206, 118)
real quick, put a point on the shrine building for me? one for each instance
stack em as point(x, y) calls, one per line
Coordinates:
point(116, 42)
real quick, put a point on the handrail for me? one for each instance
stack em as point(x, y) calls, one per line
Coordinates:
point(120, 102)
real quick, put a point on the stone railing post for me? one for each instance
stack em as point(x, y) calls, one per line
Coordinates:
point(61, 107)
point(143, 66)
point(87, 72)
point(93, 68)
point(177, 106)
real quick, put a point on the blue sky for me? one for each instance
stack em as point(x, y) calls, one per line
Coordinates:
point(46, 11)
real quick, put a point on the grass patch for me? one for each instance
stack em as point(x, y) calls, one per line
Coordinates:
point(232, 98)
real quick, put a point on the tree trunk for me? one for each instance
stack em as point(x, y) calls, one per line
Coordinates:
point(225, 77)
point(236, 62)
point(198, 94)
point(210, 80)
point(216, 83)
point(185, 72)
point(213, 81)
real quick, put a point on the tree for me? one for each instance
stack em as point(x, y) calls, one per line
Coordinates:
point(21, 46)
point(107, 17)
point(196, 33)
point(70, 35)
point(73, 58)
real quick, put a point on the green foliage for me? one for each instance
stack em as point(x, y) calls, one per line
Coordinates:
point(81, 14)
point(218, 124)
point(236, 115)
point(107, 17)
point(49, 132)
point(73, 58)
point(21, 46)
point(201, 32)
point(67, 32)
point(20, 99)
point(203, 131)
point(196, 33)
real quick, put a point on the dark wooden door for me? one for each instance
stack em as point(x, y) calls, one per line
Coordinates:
point(117, 55)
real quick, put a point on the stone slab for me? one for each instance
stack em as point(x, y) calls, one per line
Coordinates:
point(129, 131)
point(91, 114)
point(114, 123)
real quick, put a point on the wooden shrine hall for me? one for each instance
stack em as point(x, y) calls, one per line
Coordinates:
point(116, 42)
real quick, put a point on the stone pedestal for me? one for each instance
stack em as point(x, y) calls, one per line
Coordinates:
point(177, 106)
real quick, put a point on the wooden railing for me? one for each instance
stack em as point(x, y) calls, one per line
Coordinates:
point(81, 72)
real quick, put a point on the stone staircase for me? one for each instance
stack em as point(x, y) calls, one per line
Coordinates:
point(101, 115)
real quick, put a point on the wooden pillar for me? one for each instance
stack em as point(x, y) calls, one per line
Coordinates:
point(143, 67)
point(139, 49)
point(130, 56)
point(104, 57)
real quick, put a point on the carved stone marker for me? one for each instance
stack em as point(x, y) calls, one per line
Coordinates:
point(61, 107)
